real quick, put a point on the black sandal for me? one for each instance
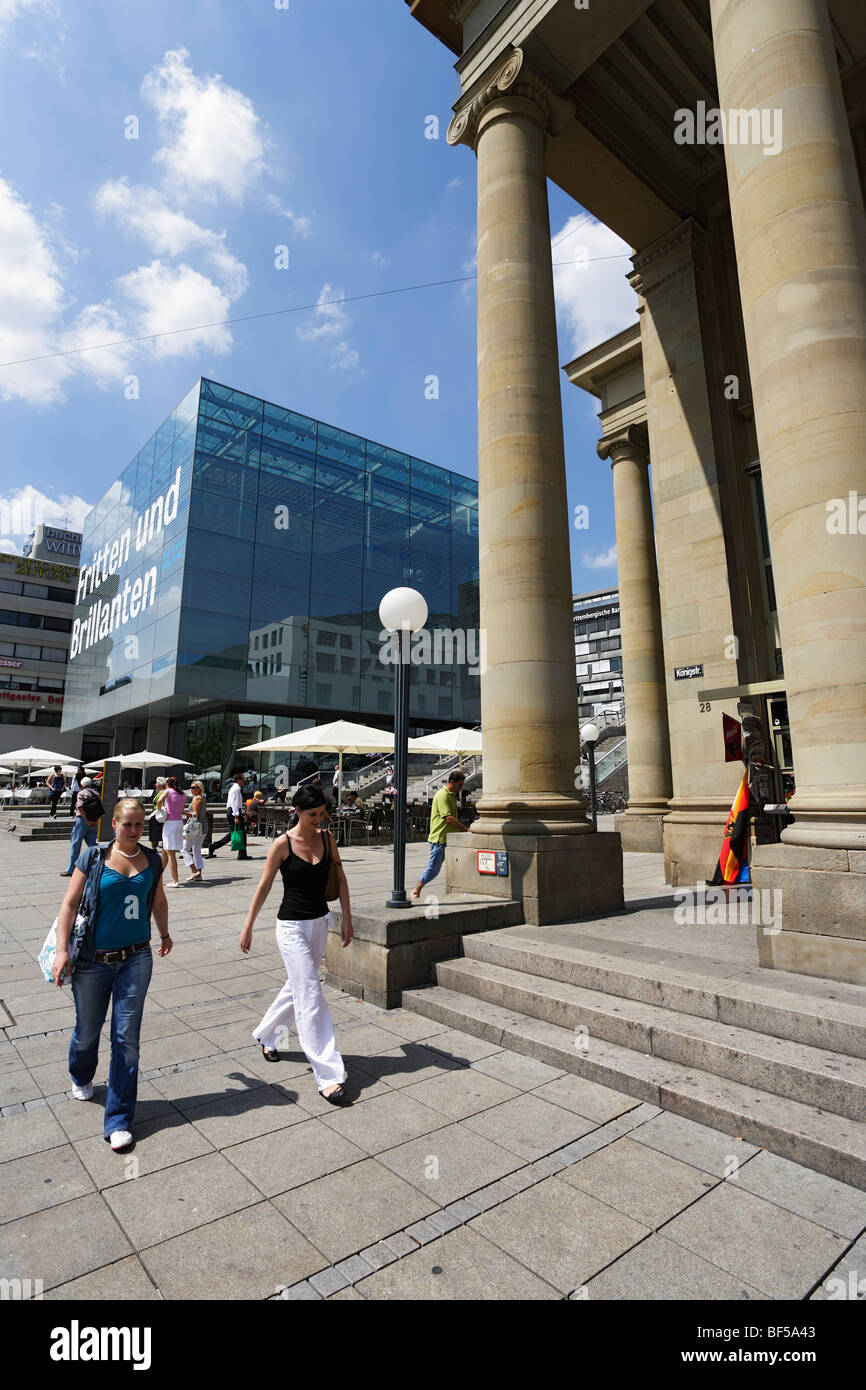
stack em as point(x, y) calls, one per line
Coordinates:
point(269, 1054)
point(338, 1097)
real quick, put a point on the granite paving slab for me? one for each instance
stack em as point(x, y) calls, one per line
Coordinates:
point(825, 1201)
point(41, 1180)
point(450, 1162)
point(283, 1160)
point(642, 1182)
point(167, 1203)
point(403, 1065)
point(245, 1255)
point(29, 1133)
point(159, 1143)
point(460, 1093)
point(61, 1243)
point(124, 1280)
point(246, 1115)
point(774, 1250)
point(586, 1098)
point(529, 1126)
point(702, 1147)
point(659, 1269)
point(383, 1122)
point(343, 1212)
point(459, 1266)
point(564, 1235)
point(523, 1073)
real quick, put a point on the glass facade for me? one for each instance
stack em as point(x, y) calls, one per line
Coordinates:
point(238, 564)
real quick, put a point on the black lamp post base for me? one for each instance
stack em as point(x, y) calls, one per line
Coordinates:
point(399, 899)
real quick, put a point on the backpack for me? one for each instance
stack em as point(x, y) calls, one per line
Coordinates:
point(91, 805)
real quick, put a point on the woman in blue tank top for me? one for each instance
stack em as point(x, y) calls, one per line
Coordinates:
point(303, 857)
point(115, 963)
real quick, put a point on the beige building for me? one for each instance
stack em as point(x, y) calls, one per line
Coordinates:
point(725, 141)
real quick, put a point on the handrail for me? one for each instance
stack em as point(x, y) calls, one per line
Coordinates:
point(443, 774)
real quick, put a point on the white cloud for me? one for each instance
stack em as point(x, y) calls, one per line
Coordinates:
point(27, 507)
point(214, 139)
point(453, 183)
point(143, 210)
point(593, 298)
point(301, 226)
point(31, 301)
point(331, 321)
point(9, 547)
point(178, 297)
point(330, 316)
point(605, 560)
point(345, 357)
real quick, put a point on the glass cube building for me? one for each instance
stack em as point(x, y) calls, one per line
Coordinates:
point(231, 578)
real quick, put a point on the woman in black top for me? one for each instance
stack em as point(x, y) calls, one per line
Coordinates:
point(302, 855)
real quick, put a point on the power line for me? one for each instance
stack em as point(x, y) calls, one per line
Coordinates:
point(275, 313)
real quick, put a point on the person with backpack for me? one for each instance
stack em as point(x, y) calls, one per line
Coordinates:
point(304, 856)
point(57, 785)
point(123, 886)
point(88, 812)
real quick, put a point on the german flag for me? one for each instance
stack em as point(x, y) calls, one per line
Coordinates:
point(733, 860)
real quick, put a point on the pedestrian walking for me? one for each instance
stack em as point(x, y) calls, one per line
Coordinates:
point(304, 856)
point(154, 823)
point(57, 784)
point(443, 820)
point(194, 831)
point(124, 889)
point(172, 828)
point(88, 810)
point(75, 788)
point(235, 817)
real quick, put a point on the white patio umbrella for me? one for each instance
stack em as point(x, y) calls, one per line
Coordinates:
point(19, 756)
point(6, 772)
point(339, 737)
point(66, 768)
point(457, 741)
point(146, 759)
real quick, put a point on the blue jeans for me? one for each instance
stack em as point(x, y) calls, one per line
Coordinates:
point(434, 863)
point(82, 833)
point(125, 985)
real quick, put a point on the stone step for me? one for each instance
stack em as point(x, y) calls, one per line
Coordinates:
point(828, 1143)
point(815, 1076)
point(818, 1013)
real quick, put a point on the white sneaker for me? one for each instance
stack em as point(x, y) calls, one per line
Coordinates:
point(82, 1092)
point(121, 1139)
point(171, 884)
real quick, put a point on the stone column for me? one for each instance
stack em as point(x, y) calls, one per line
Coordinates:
point(649, 752)
point(800, 237)
point(529, 687)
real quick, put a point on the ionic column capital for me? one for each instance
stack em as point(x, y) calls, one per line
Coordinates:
point(512, 82)
point(631, 443)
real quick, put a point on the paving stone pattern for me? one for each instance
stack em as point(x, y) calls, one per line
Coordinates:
point(461, 1170)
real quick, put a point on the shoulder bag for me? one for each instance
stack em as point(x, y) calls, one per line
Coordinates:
point(79, 927)
point(332, 886)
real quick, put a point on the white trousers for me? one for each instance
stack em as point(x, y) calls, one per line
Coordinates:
point(302, 946)
point(192, 853)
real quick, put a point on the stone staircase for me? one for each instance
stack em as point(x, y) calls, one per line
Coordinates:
point(33, 823)
point(774, 1058)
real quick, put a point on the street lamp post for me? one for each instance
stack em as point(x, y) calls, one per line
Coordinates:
point(589, 737)
point(403, 612)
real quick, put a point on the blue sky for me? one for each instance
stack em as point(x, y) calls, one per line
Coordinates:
point(257, 127)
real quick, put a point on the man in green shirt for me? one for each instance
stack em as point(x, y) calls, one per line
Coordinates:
point(443, 819)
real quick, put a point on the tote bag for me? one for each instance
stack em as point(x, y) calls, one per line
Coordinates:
point(76, 936)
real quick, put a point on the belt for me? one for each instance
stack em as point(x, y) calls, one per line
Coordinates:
point(122, 953)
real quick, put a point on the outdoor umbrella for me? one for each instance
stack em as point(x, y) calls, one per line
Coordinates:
point(146, 759)
point(6, 772)
point(339, 737)
point(19, 756)
point(457, 741)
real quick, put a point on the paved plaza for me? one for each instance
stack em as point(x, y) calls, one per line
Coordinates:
point(462, 1170)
